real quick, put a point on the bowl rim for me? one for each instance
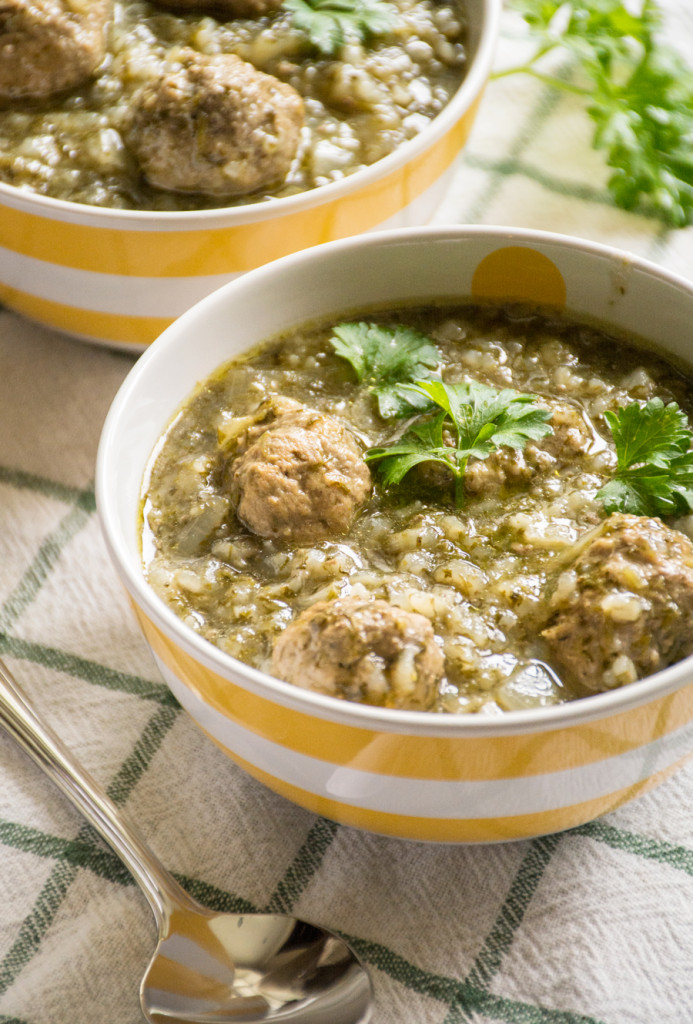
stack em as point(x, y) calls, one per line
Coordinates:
point(460, 102)
point(544, 719)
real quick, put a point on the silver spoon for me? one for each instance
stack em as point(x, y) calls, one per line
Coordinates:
point(208, 968)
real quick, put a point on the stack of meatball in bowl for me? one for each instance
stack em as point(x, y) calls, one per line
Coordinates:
point(299, 477)
point(390, 552)
point(151, 151)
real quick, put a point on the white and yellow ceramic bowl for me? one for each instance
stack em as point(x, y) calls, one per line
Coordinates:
point(411, 774)
point(119, 277)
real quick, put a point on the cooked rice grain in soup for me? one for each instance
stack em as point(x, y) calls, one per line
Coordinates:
point(269, 533)
point(135, 106)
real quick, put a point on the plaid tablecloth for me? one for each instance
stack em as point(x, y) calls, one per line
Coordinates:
point(593, 926)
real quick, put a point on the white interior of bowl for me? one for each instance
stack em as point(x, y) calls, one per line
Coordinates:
point(339, 278)
point(484, 18)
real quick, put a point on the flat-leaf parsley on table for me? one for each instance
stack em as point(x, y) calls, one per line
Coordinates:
point(481, 419)
point(654, 472)
point(639, 93)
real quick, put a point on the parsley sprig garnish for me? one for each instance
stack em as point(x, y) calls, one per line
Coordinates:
point(329, 24)
point(385, 357)
point(639, 93)
point(480, 420)
point(654, 473)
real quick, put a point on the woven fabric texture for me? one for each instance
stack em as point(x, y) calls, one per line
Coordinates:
point(592, 926)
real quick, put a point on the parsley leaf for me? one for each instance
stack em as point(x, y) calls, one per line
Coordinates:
point(481, 419)
point(383, 358)
point(639, 93)
point(654, 472)
point(331, 23)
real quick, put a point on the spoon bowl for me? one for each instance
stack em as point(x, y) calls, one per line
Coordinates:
point(208, 967)
point(251, 967)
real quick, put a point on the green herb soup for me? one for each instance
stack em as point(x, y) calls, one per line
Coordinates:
point(433, 509)
point(383, 82)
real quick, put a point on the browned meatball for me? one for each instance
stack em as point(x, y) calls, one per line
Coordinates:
point(229, 8)
point(249, 428)
point(215, 124)
point(364, 650)
point(50, 45)
point(572, 436)
point(625, 607)
point(302, 479)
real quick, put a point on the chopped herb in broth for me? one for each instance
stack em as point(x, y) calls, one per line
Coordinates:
point(268, 528)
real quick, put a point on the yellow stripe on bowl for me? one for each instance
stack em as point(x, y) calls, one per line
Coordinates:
point(108, 328)
point(462, 811)
point(455, 830)
point(165, 251)
point(444, 758)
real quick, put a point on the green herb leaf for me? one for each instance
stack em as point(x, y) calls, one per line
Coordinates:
point(654, 433)
point(329, 24)
point(639, 93)
point(423, 442)
point(654, 472)
point(383, 358)
point(481, 420)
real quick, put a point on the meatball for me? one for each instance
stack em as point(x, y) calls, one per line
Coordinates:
point(239, 434)
point(625, 607)
point(572, 436)
point(225, 8)
point(364, 650)
point(215, 124)
point(50, 45)
point(302, 479)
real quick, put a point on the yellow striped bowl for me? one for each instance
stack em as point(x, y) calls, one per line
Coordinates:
point(120, 277)
point(414, 775)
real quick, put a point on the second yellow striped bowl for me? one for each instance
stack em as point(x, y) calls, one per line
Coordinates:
point(426, 776)
point(119, 277)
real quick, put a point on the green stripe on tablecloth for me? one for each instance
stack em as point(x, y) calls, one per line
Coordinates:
point(508, 1011)
point(89, 853)
point(89, 671)
point(66, 868)
point(304, 865)
point(37, 923)
point(81, 497)
point(215, 898)
point(499, 170)
point(137, 763)
point(523, 888)
point(42, 564)
point(64, 872)
point(462, 996)
point(507, 166)
point(85, 852)
point(678, 857)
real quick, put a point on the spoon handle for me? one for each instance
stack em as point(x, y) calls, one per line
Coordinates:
point(23, 722)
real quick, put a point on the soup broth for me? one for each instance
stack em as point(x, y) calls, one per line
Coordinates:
point(496, 570)
point(360, 103)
